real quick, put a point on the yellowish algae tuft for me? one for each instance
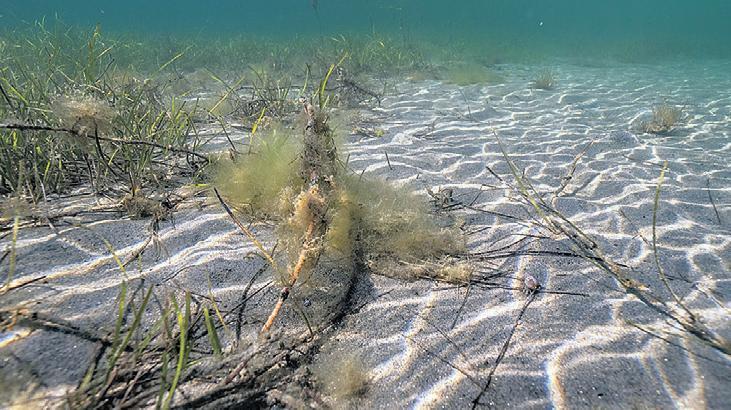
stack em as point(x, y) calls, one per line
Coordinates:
point(459, 272)
point(664, 119)
point(84, 113)
point(342, 233)
point(397, 223)
point(368, 221)
point(341, 376)
point(256, 182)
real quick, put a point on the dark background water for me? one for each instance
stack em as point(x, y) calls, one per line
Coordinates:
point(565, 27)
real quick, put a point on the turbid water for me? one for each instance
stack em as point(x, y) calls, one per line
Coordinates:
point(597, 228)
point(655, 28)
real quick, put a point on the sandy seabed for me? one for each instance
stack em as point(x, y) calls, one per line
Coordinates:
point(428, 345)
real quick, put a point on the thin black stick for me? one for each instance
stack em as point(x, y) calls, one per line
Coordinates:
point(670, 342)
point(7, 98)
point(461, 307)
point(710, 198)
point(244, 298)
point(47, 323)
point(20, 285)
point(30, 127)
point(448, 339)
point(246, 231)
point(447, 362)
point(566, 179)
point(503, 350)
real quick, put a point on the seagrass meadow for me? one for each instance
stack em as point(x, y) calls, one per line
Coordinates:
point(365, 204)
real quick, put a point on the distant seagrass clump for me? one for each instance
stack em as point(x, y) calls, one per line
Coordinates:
point(664, 119)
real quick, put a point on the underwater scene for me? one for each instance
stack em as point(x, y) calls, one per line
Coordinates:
point(358, 204)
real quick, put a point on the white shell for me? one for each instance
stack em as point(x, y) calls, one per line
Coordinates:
point(530, 283)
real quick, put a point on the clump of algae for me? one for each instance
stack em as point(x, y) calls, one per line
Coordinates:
point(84, 113)
point(389, 227)
point(342, 376)
point(137, 205)
point(326, 214)
point(263, 182)
point(390, 222)
point(664, 119)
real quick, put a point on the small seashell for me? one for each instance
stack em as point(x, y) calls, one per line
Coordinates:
point(530, 284)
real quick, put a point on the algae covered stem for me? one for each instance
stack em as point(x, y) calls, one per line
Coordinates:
point(319, 164)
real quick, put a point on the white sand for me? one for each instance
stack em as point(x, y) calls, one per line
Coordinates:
point(568, 351)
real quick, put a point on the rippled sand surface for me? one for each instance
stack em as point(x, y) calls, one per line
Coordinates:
point(428, 345)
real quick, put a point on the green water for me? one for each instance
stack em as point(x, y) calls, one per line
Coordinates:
point(631, 29)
